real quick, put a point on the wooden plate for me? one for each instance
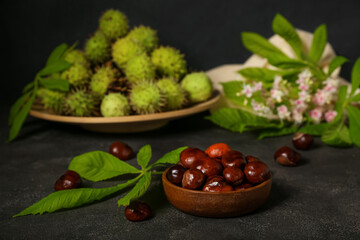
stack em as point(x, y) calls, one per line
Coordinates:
point(134, 123)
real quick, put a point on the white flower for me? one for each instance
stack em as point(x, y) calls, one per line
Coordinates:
point(283, 112)
point(305, 96)
point(316, 114)
point(330, 115)
point(258, 86)
point(277, 94)
point(247, 90)
point(277, 81)
point(297, 115)
point(304, 75)
point(320, 98)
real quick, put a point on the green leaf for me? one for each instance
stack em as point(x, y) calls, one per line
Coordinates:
point(139, 189)
point(97, 166)
point(54, 67)
point(339, 105)
point(28, 87)
point(277, 132)
point(318, 43)
point(231, 89)
point(314, 129)
point(354, 124)
point(55, 84)
point(72, 198)
point(257, 73)
point(237, 120)
point(337, 134)
point(284, 62)
point(57, 54)
point(355, 76)
point(144, 156)
point(284, 29)
point(172, 157)
point(20, 117)
point(15, 108)
point(259, 45)
point(355, 98)
point(335, 63)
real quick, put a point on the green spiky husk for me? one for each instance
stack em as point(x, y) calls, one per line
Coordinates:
point(76, 56)
point(53, 100)
point(139, 68)
point(169, 62)
point(114, 24)
point(175, 94)
point(198, 86)
point(146, 98)
point(145, 36)
point(81, 103)
point(115, 105)
point(97, 48)
point(77, 74)
point(101, 79)
point(125, 49)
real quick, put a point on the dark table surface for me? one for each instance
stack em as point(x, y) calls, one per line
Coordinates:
point(319, 199)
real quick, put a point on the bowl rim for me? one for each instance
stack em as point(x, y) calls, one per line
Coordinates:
point(166, 181)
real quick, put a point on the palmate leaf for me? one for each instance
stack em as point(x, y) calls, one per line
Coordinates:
point(335, 63)
point(275, 132)
point(72, 198)
point(318, 43)
point(57, 54)
point(355, 76)
point(15, 108)
point(97, 166)
point(172, 157)
point(337, 134)
point(314, 129)
point(139, 189)
point(144, 156)
point(55, 67)
point(55, 84)
point(354, 124)
point(259, 45)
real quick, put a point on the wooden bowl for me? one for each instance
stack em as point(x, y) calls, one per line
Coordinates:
point(126, 124)
point(222, 204)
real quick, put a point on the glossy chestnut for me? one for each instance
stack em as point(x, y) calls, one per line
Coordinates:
point(233, 176)
point(193, 179)
point(121, 150)
point(217, 184)
point(69, 180)
point(302, 141)
point(287, 156)
point(256, 172)
point(217, 150)
point(250, 158)
point(243, 186)
point(175, 174)
point(233, 159)
point(209, 167)
point(137, 211)
point(190, 157)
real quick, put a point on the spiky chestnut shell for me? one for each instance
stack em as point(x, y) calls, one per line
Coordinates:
point(80, 103)
point(125, 49)
point(115, 105)
point(169, 62)
point(198, 86)
point(77, 74)
point(101, 79)
point(139, 68)
point(52, 100)
point(97, 48)
point(146, 98)
point(175, 94)
point(76, 56)
point(114, 24)
point(145, 36)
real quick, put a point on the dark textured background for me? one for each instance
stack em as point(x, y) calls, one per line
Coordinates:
point(316, 200)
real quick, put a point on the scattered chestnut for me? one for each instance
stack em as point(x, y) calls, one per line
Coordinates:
point(68, 180)
point(217, 150)
point(233, 159)
point(137, 211)
point(175, 174)
point(121, 150)
point(251, 159)
point(209, 167)
point(243, 186)
point(190, 157)
point(217, 184)
point(234, 176)
point(302, 141)
point(286, 156)
point(193, 179)
point(256, 172)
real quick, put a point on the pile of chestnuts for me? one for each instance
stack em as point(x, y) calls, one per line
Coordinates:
point(218, 169)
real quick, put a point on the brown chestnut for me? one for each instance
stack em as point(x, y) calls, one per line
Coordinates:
point(175, 174)
point(234, 176)
point(250, 158)
point(121, 150)
point(217, 184)
point(243, 186)
point(69, 180)
point(217, 150)
point(286, 156)
point(302, 141)
point(190, 157)
point(256, 172)
point(193, 179)
point(233, 159)
point(209, 167)
point(137, 211)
